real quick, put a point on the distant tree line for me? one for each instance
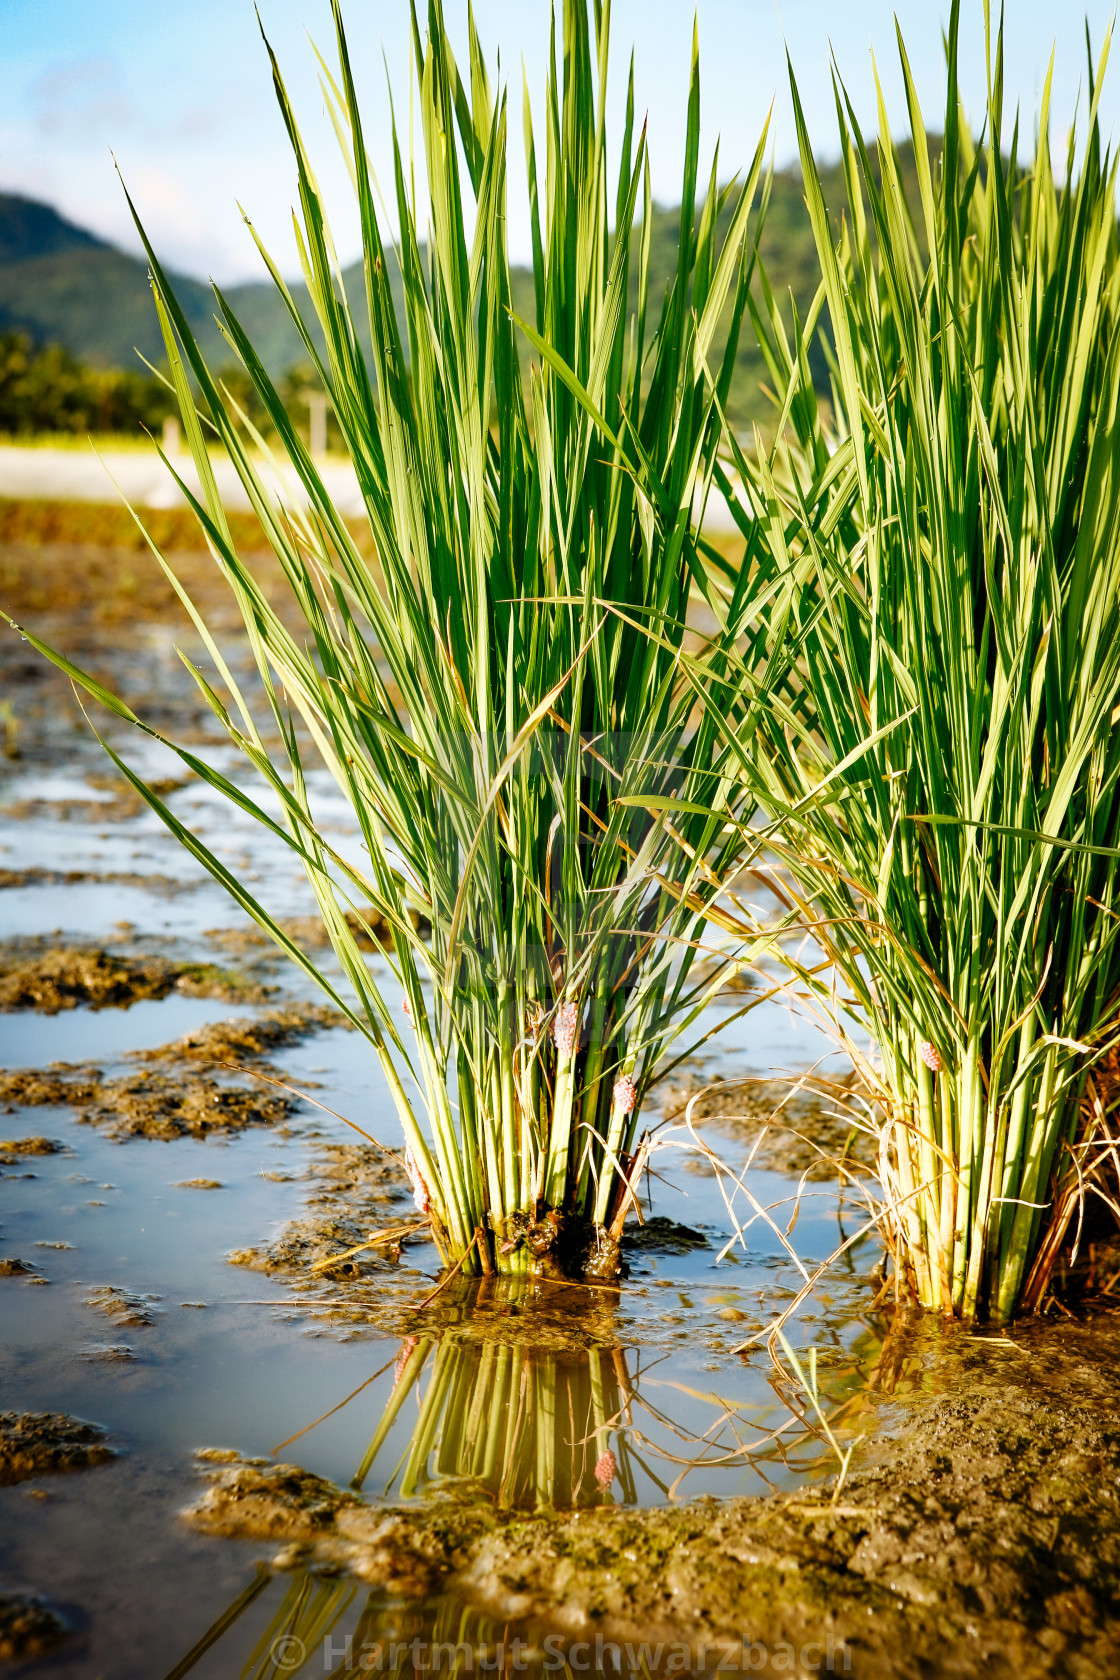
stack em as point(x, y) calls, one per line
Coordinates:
point(46, 388)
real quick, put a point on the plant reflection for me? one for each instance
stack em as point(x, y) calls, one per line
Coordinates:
point(527, 1429)
point(313, 1630)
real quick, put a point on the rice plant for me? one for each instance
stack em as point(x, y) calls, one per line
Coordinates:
point(940, 751)
point(485, 691)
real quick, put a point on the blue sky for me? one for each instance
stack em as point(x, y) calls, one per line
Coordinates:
point(181, 94)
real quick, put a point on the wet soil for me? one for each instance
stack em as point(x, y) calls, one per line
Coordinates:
point(978, 1533)
point(28, 1627)
point(809, 1127)
point(127, 1310)
point(48, 1443)
point(65, 978)
point(170, 1098)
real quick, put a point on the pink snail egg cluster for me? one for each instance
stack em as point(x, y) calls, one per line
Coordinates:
point(930, 1055)
point(421, 1199)
point(565, 1028)
point(625, 1094)
point(606, 1469)
point(402, 1357)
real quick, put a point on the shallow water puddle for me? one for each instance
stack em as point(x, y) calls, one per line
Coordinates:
point(511, 1398)
point(88, 1035)
point(641, 1374)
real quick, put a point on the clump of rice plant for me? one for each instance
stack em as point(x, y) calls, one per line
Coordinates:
point(497, 692)
point(941, 754)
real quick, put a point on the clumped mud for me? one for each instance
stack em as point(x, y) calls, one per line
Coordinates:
point(28, 1627)
point(661, 1236)
point(801, 1127)
point(355, 1190)
point(12, 1148)
point(307, 1243)
point(978, 1534)
point(59, 1086)
point(64, 979)
point(47, 1443)
point(67, 977)
point(150, 1104)
point(360, 1174)
point(249, 1037)
point(124, 1308)
point(164, 1107)
point(167, 1099)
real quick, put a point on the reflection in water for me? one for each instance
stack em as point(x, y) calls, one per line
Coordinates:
point(524, 1429)
point(531, 1429)
point(316, 1627)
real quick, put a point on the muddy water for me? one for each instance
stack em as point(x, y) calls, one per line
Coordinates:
point(485, 1406)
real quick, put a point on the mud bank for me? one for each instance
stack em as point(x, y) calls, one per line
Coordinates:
point(171, 1097)
point(979, 1533)
point(48, 1443)
point(66, 977)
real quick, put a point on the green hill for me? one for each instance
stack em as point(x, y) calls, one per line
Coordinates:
point(61, 285)
point(29, 229)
